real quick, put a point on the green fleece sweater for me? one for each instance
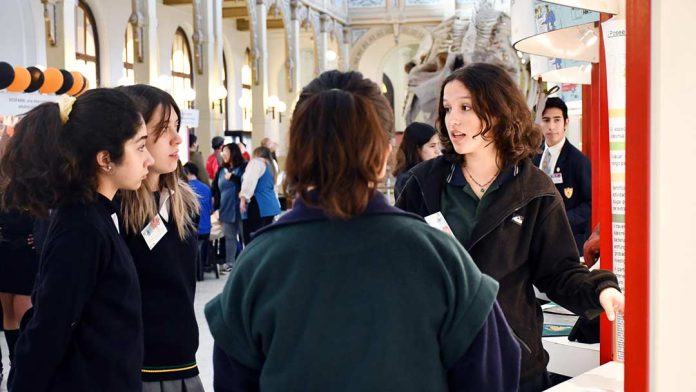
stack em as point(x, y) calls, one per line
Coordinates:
point(376, 303)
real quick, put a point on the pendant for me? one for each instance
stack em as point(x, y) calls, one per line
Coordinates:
point(483, 190)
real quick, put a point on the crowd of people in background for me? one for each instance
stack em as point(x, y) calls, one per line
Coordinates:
point(109, 234)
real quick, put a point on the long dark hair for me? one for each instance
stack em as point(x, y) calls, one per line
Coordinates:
point(502, 108)
point(415, 136)
point(339, 138)
point(236, 157)
point(138, 207)
point(48, 164)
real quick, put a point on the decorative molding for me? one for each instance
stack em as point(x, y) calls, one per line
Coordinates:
point(366, 3)
point(410, 3)
point(376, 33)
point(358, 33)
point(49, 13)
point(137, 19)
point(198, 35)
point(254, 41)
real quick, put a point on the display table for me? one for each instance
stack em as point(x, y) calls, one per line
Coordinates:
point(606, 378)
point(565, 357)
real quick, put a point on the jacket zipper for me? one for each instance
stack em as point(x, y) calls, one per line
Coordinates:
point(494, 226)
point(520, 341)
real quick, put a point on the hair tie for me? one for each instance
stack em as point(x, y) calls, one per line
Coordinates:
point(65, 104)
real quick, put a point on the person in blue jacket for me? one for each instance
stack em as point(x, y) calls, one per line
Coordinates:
point(318, 302)
point(85, 332)
point(568, 168)
point(205, 201)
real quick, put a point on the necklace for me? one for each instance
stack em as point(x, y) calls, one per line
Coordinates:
point(482, 186)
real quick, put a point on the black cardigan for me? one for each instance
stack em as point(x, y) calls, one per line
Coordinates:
point(167, 275)
point(86, 330)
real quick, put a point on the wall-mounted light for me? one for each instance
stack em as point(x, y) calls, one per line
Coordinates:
point(276, 105)
point(189, 96)
point(246, 75)
point(219, 94)
point(164, 82)
point(331, 55)
point(244, 103)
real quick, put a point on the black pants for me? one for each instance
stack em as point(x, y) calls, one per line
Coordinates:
point(254, 220)
point(203, 251)
point(537, 383)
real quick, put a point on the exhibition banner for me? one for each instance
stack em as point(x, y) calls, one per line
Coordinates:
point(614, 31)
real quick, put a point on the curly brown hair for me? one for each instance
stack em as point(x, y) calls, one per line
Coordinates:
point(339, 140)
point(500, 105)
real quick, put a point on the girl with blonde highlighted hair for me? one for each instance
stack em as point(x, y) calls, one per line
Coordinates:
point(160, 229)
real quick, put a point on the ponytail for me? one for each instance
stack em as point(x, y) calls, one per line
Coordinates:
point(48, 164)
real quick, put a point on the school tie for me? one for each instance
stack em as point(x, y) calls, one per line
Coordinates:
point(546, 162)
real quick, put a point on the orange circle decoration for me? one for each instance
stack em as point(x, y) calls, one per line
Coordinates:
point(78, 83)
point(53, 80)
point(84, 89)
point(21, 81)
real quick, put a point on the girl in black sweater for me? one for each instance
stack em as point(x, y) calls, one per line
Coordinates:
point(85, 332)
point(160, 229)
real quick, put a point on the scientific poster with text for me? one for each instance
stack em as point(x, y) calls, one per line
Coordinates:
point(614, 31)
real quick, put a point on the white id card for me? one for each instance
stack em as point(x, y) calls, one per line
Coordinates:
point(557, 178)
point(437, 220)
point(154, 231)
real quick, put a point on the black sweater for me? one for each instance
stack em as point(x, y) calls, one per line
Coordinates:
point(86, 330)
point(523, 239)
point(167, 276)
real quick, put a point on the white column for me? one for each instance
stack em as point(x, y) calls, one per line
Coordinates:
point(261, 124)
point(323, 42)
point(208, 79)
point(146, 71)
point(672, 202)
point(344, 45)
point(294, 51)
point(63, 54)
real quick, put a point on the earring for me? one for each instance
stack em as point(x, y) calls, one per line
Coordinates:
point(108, 168)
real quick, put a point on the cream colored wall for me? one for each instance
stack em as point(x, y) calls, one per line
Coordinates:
point(673, 203)
point(22, 43)
point(111, 18)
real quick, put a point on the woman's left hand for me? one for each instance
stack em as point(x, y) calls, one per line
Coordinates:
point(612, 301)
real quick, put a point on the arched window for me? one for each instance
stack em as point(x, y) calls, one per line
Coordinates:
point(87, 44)
point(226, 117)
point(128, 57)
point(182, 75)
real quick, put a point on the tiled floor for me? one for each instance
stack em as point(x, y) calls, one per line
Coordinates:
point(205, 291)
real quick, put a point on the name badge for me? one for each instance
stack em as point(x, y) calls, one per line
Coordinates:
point(557, 178)
point(154, 231)
point(437, 220)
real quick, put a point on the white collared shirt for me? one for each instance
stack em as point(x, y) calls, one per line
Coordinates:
point(555, 152)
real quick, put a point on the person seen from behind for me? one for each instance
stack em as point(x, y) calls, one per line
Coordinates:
point(258, 201)
point(205, 201)
point(318, 301)
point(215, 158)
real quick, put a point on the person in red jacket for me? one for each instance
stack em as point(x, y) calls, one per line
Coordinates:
point(213, 162)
